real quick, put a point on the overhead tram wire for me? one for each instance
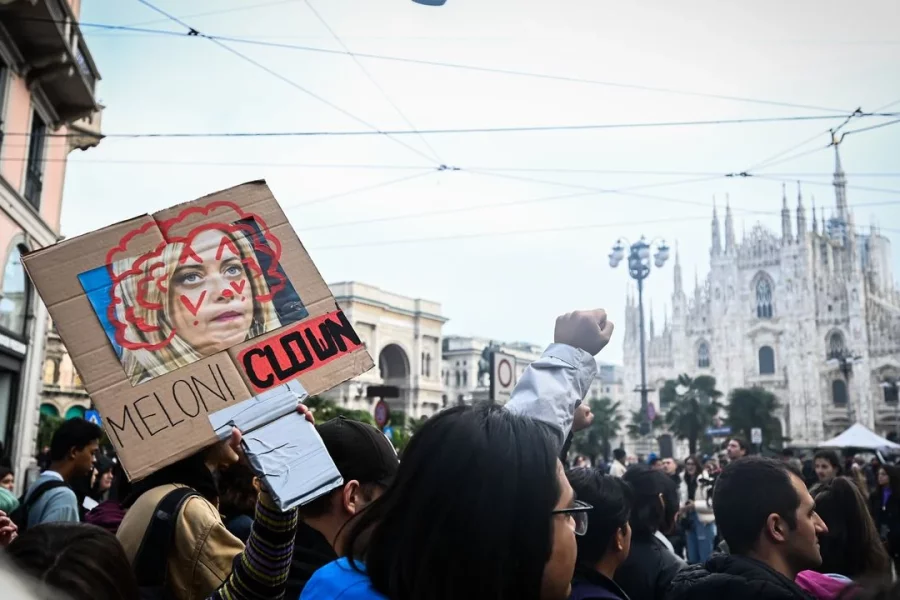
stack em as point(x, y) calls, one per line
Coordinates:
point(196, 33)
point(768, 161)
point(358, 190)
point(463, 130)
point(450, 65)
point(461, 209)
point(371, 78)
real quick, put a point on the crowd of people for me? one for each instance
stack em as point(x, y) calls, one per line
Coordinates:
point(481, 506)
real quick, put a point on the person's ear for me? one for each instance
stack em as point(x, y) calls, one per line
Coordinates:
point(351, 499)
point(777, 528)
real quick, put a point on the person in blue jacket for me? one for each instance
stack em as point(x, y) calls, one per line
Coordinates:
point(480, 507)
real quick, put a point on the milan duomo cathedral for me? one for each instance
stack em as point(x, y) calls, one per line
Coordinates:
point(772, 312)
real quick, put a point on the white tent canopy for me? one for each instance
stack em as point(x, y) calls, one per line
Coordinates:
point(859, 436)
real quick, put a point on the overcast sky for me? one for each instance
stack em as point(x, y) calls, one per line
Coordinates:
point(491, 282)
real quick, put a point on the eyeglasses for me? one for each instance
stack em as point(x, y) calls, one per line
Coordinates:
point(579, 513)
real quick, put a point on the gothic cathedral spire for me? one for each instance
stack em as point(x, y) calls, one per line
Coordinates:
point(716, 236)
point(801, 216)
point(840, 185)
point(679, 287)
point(729, 227)
point(785, 218)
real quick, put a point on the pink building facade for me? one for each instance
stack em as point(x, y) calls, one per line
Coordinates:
point(47, 109)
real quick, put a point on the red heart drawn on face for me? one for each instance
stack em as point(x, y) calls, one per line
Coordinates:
point(193, 308)
point(238, 286)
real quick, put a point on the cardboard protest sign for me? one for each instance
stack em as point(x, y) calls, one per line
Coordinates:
point(171, 317)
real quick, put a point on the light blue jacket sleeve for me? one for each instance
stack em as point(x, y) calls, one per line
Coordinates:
point(552, 386)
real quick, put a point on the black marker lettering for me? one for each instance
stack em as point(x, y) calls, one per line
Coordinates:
point(158, 401)
point(325, 347)
point(126, 416)
point(193, 393)
point(144, 417)
point(340, 330)
point(249, 367)
point(286, 341)
point(224, 381)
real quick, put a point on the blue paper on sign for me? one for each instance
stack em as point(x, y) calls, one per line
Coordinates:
point(282, 447)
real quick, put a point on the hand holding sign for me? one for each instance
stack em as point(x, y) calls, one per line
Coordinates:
point(588, 330)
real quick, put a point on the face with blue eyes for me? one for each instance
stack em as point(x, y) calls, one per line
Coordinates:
point(210, 295)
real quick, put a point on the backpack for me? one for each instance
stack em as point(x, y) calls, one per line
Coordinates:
point(20, 515)
point(151, 561)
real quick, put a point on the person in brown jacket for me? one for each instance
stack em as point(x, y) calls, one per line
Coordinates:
point(201, 556)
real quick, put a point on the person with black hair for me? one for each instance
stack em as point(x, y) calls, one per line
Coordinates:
point(884, 504)
point(51, 498)
point(79, 561)
point(607, 542)
point(652, 563)
point(617, 468)
point(109, 513)
point(736, 449)
point(239, 488)
point(367, 463)
point(851, 550)
point(827, 465)
point(697, 516)
point(769, 521)
point(480, 507)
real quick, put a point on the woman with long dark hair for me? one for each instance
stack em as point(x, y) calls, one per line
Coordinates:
point(851, 549)
point(480, 509)
point(652, 563)
point(884, 503)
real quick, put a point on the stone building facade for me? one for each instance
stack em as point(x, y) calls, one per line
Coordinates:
point(771, 312)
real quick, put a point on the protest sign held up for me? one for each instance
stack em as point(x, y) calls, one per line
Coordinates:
point(171, 317)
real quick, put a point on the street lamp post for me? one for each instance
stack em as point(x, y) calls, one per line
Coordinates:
point(844, 359)
point(639, 269)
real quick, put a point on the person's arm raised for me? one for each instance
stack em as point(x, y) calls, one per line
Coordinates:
point(552, 387)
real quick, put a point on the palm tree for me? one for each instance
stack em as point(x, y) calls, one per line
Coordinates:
point(597, 438)
point(754, 407)
point(325, 410)
point(693, 409)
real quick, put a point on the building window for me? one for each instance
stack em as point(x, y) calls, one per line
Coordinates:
point(457, 377)
point(427, 364)
point(766, 361)
point(703, 356)
point(465, 375)
point(890, 394)
point(34, 172)
point(75, 412)
point(835, 343)
point(839, 392)
point(14, 294)
point(763, 299)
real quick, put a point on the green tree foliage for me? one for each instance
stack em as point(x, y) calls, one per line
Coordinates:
point(692, 409)
point(47, 426)
point(755, 407)
point(325, 410)
point(597, 438)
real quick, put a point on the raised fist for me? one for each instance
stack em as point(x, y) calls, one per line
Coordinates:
point(588, 330)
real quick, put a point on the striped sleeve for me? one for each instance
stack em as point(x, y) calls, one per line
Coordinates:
point(261, 570)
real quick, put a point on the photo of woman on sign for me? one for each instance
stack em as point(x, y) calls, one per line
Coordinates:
point(191, 298)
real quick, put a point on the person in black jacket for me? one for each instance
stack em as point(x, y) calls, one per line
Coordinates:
point(769, 521)
point(652, 563)
point(884, 503)
point(607, 542)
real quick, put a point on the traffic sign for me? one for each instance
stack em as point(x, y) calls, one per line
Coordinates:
point(718, 431)
point(382, 414)
point(503, 376)
point(756, 435)
point(93, 416)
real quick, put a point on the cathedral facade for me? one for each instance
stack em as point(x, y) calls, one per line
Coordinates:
point(774, 311)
